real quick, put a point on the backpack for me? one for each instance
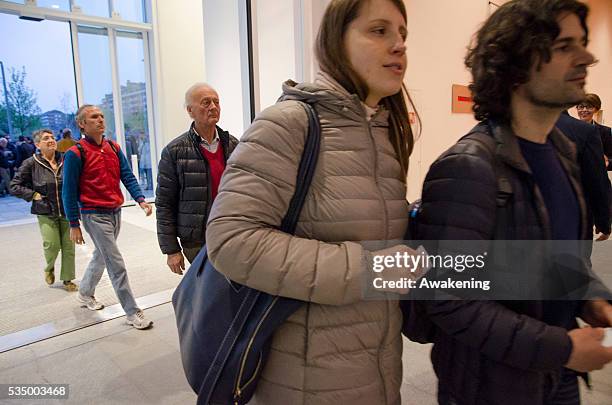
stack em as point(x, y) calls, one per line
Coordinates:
point(225, 329)
point(416, 325)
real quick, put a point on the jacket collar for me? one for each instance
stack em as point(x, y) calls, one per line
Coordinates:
point(330, 95)
point(223, 135)
point(509, 151)
point(38, 158)
point(91, 141)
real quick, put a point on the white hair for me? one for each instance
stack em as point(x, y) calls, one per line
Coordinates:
point(193, 88)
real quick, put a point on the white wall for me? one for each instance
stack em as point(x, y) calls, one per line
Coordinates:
point(224, 61)
point(600, 75)
point(276, 44)
point(438, 35)
point(178, 41)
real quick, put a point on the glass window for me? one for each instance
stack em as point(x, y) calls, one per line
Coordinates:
point(54, 4)
point(98, 8)
point(39, 76)
point(130, 10)
point(96, 73)
point(130, 60)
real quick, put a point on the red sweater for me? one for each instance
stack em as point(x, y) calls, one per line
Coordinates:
point(216, 166)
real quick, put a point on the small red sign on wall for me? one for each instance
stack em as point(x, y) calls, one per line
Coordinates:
point(462, 99)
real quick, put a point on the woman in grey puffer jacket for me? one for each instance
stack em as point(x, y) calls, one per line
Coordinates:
point(338, 348)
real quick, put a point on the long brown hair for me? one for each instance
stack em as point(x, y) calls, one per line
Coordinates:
point(333, 60)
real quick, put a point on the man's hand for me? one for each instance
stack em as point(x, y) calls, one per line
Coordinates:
point(77, 236)
point(146, 207)
point(587, 352)
point(597, 313)
point(176, 262)
point(602, 236)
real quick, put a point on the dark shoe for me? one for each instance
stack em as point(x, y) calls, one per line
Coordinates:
point(50, 278)
point(70, 286)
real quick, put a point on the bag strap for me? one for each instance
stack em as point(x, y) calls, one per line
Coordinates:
point(504, 186)
point(81, 153)
point(82, 150)
point(306, 169)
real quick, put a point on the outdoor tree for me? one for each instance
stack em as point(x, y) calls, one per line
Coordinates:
point(22, 102)
point(69, 109)
point(4, 129)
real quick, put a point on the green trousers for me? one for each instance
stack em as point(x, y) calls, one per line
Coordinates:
point(55, 234)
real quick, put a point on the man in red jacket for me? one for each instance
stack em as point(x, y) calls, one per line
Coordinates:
point(93, 169)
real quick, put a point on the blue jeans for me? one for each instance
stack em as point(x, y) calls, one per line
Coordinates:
point(103, 229)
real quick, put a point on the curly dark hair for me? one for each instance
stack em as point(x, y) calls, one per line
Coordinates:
point(519, 34)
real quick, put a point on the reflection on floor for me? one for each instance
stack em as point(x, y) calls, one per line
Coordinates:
point(26, 301)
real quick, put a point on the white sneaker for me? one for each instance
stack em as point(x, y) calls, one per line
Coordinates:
point(89, 302)
point(139, 321)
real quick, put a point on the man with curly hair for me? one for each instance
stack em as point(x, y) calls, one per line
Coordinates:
point(529, 63)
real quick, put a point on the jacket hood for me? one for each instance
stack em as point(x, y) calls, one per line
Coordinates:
point(330, 95)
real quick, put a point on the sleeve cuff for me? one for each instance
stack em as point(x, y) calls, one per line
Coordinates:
point(140, 199)
point(75, 224)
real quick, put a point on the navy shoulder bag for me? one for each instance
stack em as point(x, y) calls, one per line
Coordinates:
point(225, 328)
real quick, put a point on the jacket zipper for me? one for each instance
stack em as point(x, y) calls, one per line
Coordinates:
point(238, 389)
point(55, 175)
point(385, 229)
point(380, 197)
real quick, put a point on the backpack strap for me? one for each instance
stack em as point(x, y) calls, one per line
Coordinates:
point(81, 153)
point(114, 146)
point(504, 186)
point(81, 149)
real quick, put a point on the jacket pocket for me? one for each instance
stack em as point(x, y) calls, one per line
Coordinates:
point(41, 207)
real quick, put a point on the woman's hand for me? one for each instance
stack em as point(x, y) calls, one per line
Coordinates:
point(393, 269)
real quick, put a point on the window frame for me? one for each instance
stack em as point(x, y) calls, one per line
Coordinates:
point(112, 24)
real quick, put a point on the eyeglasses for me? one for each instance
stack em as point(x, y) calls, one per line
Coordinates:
point(208, 101)
point(584, 107)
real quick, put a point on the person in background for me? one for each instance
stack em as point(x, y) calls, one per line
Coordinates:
point(188, 178)
point(5, 168)
point(66, 142)
point(93, 169)
point(39, 180)
point(595, 181)
point(586, 112)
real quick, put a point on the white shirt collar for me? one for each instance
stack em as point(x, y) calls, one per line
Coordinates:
point(202, 140)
